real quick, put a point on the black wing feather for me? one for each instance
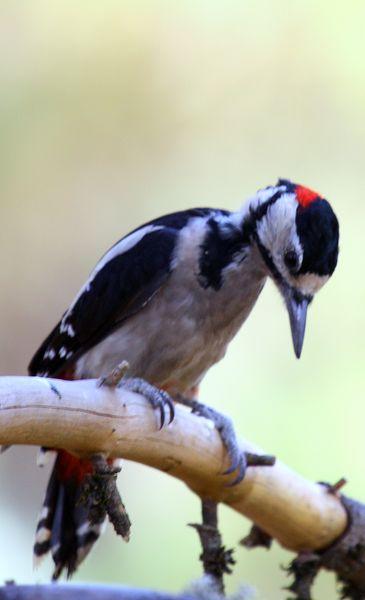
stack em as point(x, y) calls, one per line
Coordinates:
point(120, 289)
point(123, 286)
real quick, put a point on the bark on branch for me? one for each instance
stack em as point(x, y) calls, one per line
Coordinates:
point(83, 592)
point(85, 419)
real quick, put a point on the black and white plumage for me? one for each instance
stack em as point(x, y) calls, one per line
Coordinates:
point(170, 296)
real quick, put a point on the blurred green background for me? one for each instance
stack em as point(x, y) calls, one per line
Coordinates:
point(114, 112)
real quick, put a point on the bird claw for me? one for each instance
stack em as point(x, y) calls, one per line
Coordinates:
point(237, 458)
point(158, 399)
point(224, 426)
point(240, 466)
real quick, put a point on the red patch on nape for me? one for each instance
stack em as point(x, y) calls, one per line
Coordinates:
point(305, 196)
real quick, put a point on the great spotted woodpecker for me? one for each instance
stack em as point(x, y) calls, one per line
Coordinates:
point(168, 298)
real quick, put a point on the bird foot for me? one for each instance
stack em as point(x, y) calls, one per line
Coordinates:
point(239, 460)
point(224, 426)
point(158, 399)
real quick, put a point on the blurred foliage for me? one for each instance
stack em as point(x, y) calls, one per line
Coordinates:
point(114, 112)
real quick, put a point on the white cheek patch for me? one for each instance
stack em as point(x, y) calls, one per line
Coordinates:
point(277, 230)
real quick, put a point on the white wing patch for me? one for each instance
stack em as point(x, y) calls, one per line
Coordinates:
point(119, 248)
point(67, 328)
point(124, 245)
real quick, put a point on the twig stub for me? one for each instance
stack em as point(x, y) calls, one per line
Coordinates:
point(216, 559)
point(102, 496)
point(256, 537)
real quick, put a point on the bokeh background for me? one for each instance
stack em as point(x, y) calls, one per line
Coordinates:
point(114, 112)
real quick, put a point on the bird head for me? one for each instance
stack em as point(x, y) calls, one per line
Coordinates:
point(297, 234)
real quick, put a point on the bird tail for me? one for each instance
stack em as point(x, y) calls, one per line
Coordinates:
point(64, 527)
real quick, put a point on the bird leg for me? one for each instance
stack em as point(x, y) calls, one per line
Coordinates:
point(216, 559)
point(226, 431)
point(239, 460)
point(157, 398)
point(102, 497)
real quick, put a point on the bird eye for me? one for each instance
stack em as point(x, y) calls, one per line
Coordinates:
point(291, 260)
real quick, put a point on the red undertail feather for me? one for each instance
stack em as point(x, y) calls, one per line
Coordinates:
point(72, 468)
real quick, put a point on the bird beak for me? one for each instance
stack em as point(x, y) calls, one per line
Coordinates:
point(297, 306)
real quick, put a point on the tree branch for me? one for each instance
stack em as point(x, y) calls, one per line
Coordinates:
point(85, 419)
point(83, 592)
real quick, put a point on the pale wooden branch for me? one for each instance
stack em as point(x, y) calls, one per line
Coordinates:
point(84, 419)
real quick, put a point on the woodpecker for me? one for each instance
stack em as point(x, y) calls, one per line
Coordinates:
point(168, 298)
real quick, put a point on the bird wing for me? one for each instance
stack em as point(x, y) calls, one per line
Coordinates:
point(122, 283)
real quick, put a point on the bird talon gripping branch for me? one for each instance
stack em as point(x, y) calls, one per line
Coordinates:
point(158, 399)
point(169, 297)
point(225, 428)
